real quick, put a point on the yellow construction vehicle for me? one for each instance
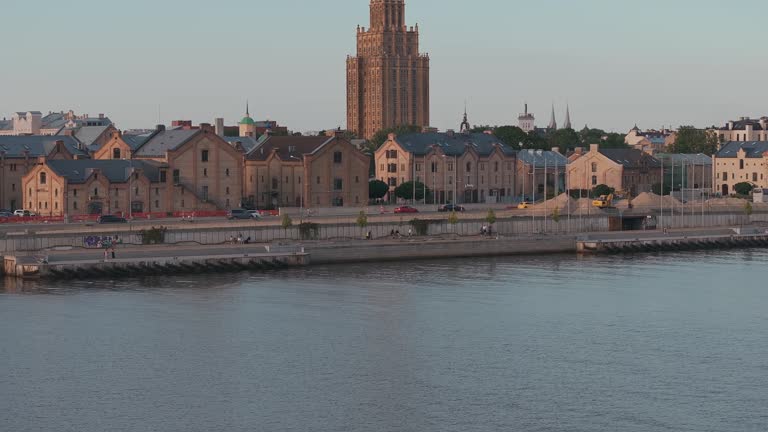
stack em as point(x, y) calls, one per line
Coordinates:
point(603, 202)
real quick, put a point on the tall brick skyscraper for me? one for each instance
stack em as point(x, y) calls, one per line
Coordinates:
point(388, 80)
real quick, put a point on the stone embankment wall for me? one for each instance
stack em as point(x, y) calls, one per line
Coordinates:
point(512, 227)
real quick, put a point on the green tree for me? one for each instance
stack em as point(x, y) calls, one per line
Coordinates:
point(490, 217)
point(748, 208)
point(453, 218)
point(602, 189)
point(743, 188)
point(556, 215)
point(512, 136)
point(381, 136)
point(692, 140)
point(589, 136)
point(563, 138)
point(405, 191)
point(286, 222)
point(377, 189)
point(362, 219)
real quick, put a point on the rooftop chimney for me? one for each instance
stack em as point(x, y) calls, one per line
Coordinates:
point(219, 122)
point(160, 127)
point(206, 127)
point(594, 148)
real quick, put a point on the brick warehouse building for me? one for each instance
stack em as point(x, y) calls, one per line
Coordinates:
point(388, 79)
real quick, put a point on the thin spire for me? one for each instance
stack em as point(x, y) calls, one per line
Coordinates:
point(247, 108)
point(553, 122)
point(567, 124)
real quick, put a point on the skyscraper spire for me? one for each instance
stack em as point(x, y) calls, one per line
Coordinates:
point(567, 124)
point(553, 122)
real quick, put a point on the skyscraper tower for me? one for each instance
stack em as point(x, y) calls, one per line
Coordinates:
point(388, 79)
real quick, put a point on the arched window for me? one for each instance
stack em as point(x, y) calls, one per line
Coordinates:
point(43, 178)
point(116, 153)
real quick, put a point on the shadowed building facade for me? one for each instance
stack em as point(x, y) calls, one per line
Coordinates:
point(388, 79)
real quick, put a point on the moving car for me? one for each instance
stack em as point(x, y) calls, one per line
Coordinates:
point(451, 208)
point(405, 209)
point(255, 214)
point(24, 213)
point(110, 219)
point(240, 214)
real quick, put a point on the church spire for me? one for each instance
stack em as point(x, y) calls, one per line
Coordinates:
point(567, 124)
point(465, 124)
point(553, 122)
point(247, 108)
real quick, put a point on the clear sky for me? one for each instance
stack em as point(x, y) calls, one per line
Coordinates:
point(651, 62)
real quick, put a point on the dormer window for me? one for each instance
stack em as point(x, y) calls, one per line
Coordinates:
point(116, 153)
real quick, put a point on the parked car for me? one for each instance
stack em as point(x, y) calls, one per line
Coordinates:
point(451, 208)
point(6, 214)
point(255, 214)
point(110, 219)
point(405, 209)
point(239, 214)
point(24, 213)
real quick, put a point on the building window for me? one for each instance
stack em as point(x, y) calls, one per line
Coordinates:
point(391, 154)
point(469, 167)
point(338, 184)
point(226, 173)
point(318, 179)
point(754, 177)
point(163, 177)
point(43, 178)
point(13, 187)
point(741, 164)
point(205, 172)
point(495, 167)
point(392, 181)
point(337, 157)
point(205, 193)
point(74, 193)
point(418, 167)
point(450, 180)
point(227, 190)
point(450, 166)
point(95, 192)
point(594, 167)
point(392, 168)
point(434, 167)
point(274, 183)
point(115, 153)
point(382, 167)
point(357, 179)
point(204, 156)
point(74, 205)
point(176, 176)
point(157, 204)
point(594, 180)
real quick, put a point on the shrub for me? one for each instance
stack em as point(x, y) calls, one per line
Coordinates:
point(309, 231)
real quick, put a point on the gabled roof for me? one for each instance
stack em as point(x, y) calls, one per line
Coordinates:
point(287, 147)
point(135, 141)
point(743, 123)
point(685, 158)
point(165, 141)
point(87, 135)
point(541, 159)
point(248, 143)
point(753, 149)
point(117, 171)
point(630, 158)
point(452, 144)
point(36, 145)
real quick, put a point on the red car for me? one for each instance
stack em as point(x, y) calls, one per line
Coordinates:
point(405, 209)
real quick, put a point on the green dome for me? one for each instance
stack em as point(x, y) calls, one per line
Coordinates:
point(246, 121)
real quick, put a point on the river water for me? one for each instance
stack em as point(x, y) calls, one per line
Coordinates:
point(675, 342)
